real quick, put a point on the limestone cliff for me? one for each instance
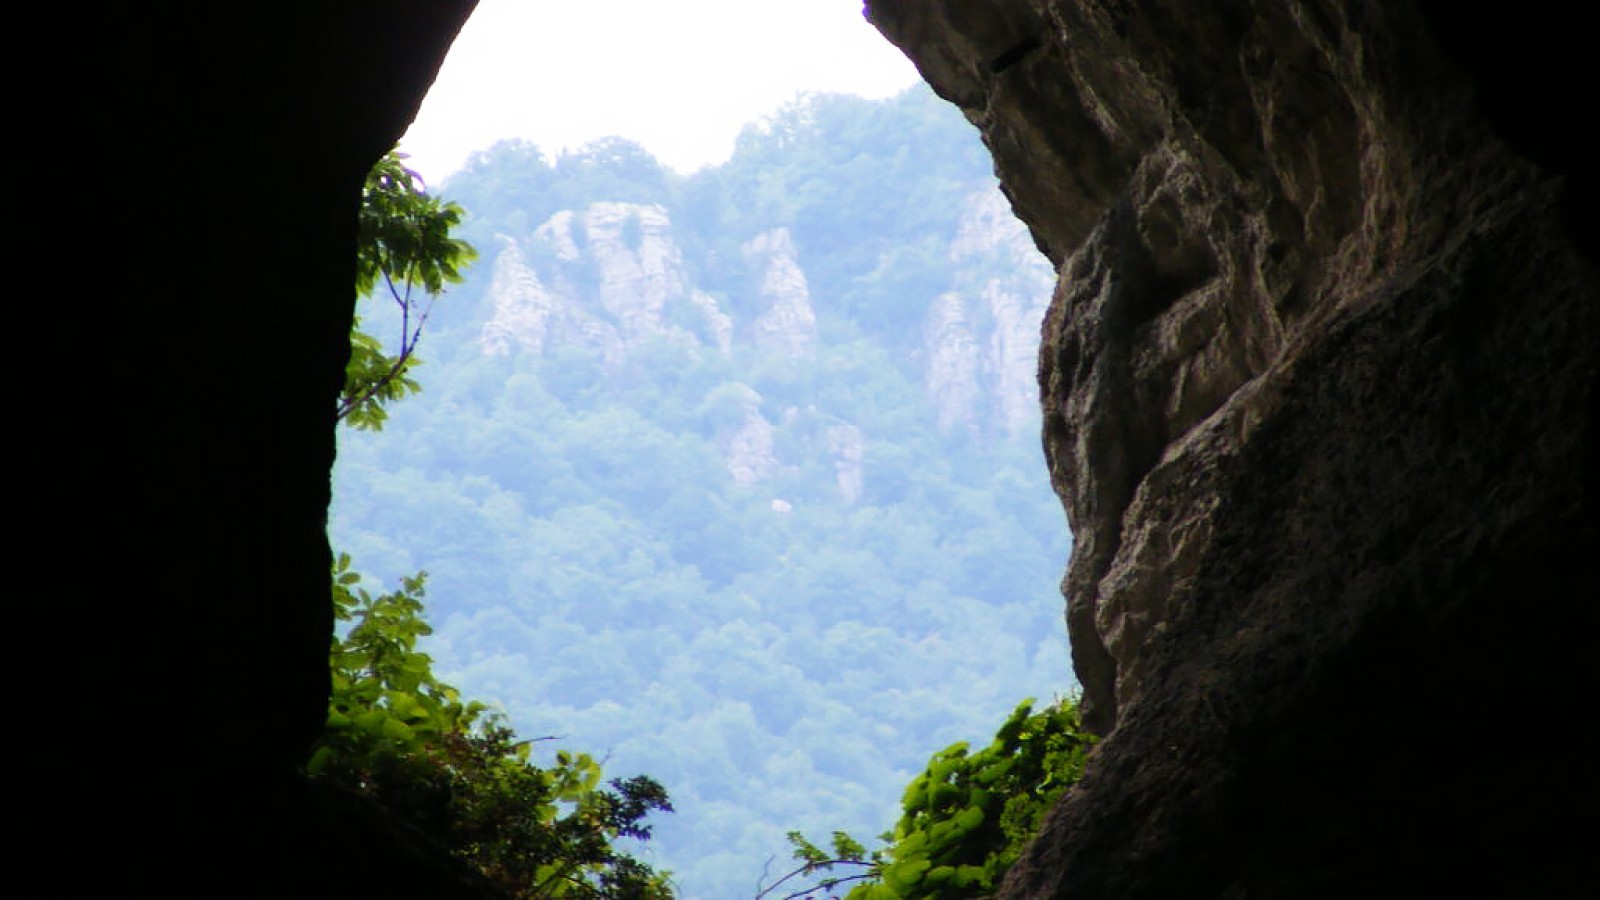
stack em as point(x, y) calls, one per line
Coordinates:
point(746, 440)
point(613, 280)
point(1318, 383)
point(981, 337)
point(787, 325)
point(610, 274)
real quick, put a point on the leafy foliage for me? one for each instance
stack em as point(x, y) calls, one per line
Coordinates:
point(845, 853)
point(966, 818)
point(398, 735)
point(405, 242)
point(395, 733)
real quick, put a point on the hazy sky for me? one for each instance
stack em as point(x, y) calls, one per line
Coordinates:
point(680, 77)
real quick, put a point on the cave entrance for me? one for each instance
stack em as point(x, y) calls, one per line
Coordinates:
point(726, 461)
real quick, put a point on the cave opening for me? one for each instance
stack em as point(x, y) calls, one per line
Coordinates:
point(726, 471)
point(172, 487)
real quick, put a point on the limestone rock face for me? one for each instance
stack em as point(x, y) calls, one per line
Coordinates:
point(747, 439)
point(612, 279)
point(1318, 381)
point(953, 361)
point(981, 337)
point(524, 309)
point(788, 325)
point(613, 270)
point(639, 267)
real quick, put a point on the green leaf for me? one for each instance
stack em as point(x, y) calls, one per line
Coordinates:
point(396, 730)
point(903, 877)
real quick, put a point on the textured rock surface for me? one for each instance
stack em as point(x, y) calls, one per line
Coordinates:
point(614, 270)
point(746, 440)
point(981, 337)
point(1319, 388)
point(788, 325)
point(525, 311)
point(612, 279)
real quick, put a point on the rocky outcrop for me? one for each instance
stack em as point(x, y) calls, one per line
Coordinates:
point(787, 324)
point(980, 338)
point(611, 279)
point(746, 437)
point(1319, 393)
point(718, 324)
point(613, 272)
point(639, 268)
point(953, 362)
point(524, 310)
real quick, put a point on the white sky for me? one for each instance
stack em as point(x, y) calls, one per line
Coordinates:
point(680, 77)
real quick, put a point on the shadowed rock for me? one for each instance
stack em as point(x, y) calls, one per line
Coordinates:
point(1318, 385)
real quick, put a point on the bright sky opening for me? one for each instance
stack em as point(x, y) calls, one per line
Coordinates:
point(680, 78)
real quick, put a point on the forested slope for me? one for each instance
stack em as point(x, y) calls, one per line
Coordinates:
point(735, 476)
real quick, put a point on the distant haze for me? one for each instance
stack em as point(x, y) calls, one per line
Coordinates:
point(679, 78)
point(734, 479)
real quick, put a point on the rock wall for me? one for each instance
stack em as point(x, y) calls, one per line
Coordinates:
point(1319, 392)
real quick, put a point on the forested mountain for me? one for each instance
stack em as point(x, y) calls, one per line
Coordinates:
point(734, 478)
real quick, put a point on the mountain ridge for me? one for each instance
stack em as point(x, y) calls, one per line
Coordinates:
point(755, 503)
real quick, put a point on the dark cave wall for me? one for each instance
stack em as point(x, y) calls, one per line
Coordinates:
point(1319, 391)
point(187, 182)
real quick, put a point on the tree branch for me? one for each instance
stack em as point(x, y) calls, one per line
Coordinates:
point(826, 884)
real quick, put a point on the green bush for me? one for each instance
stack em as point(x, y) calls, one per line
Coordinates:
point(964, 820)
point(399, 736)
